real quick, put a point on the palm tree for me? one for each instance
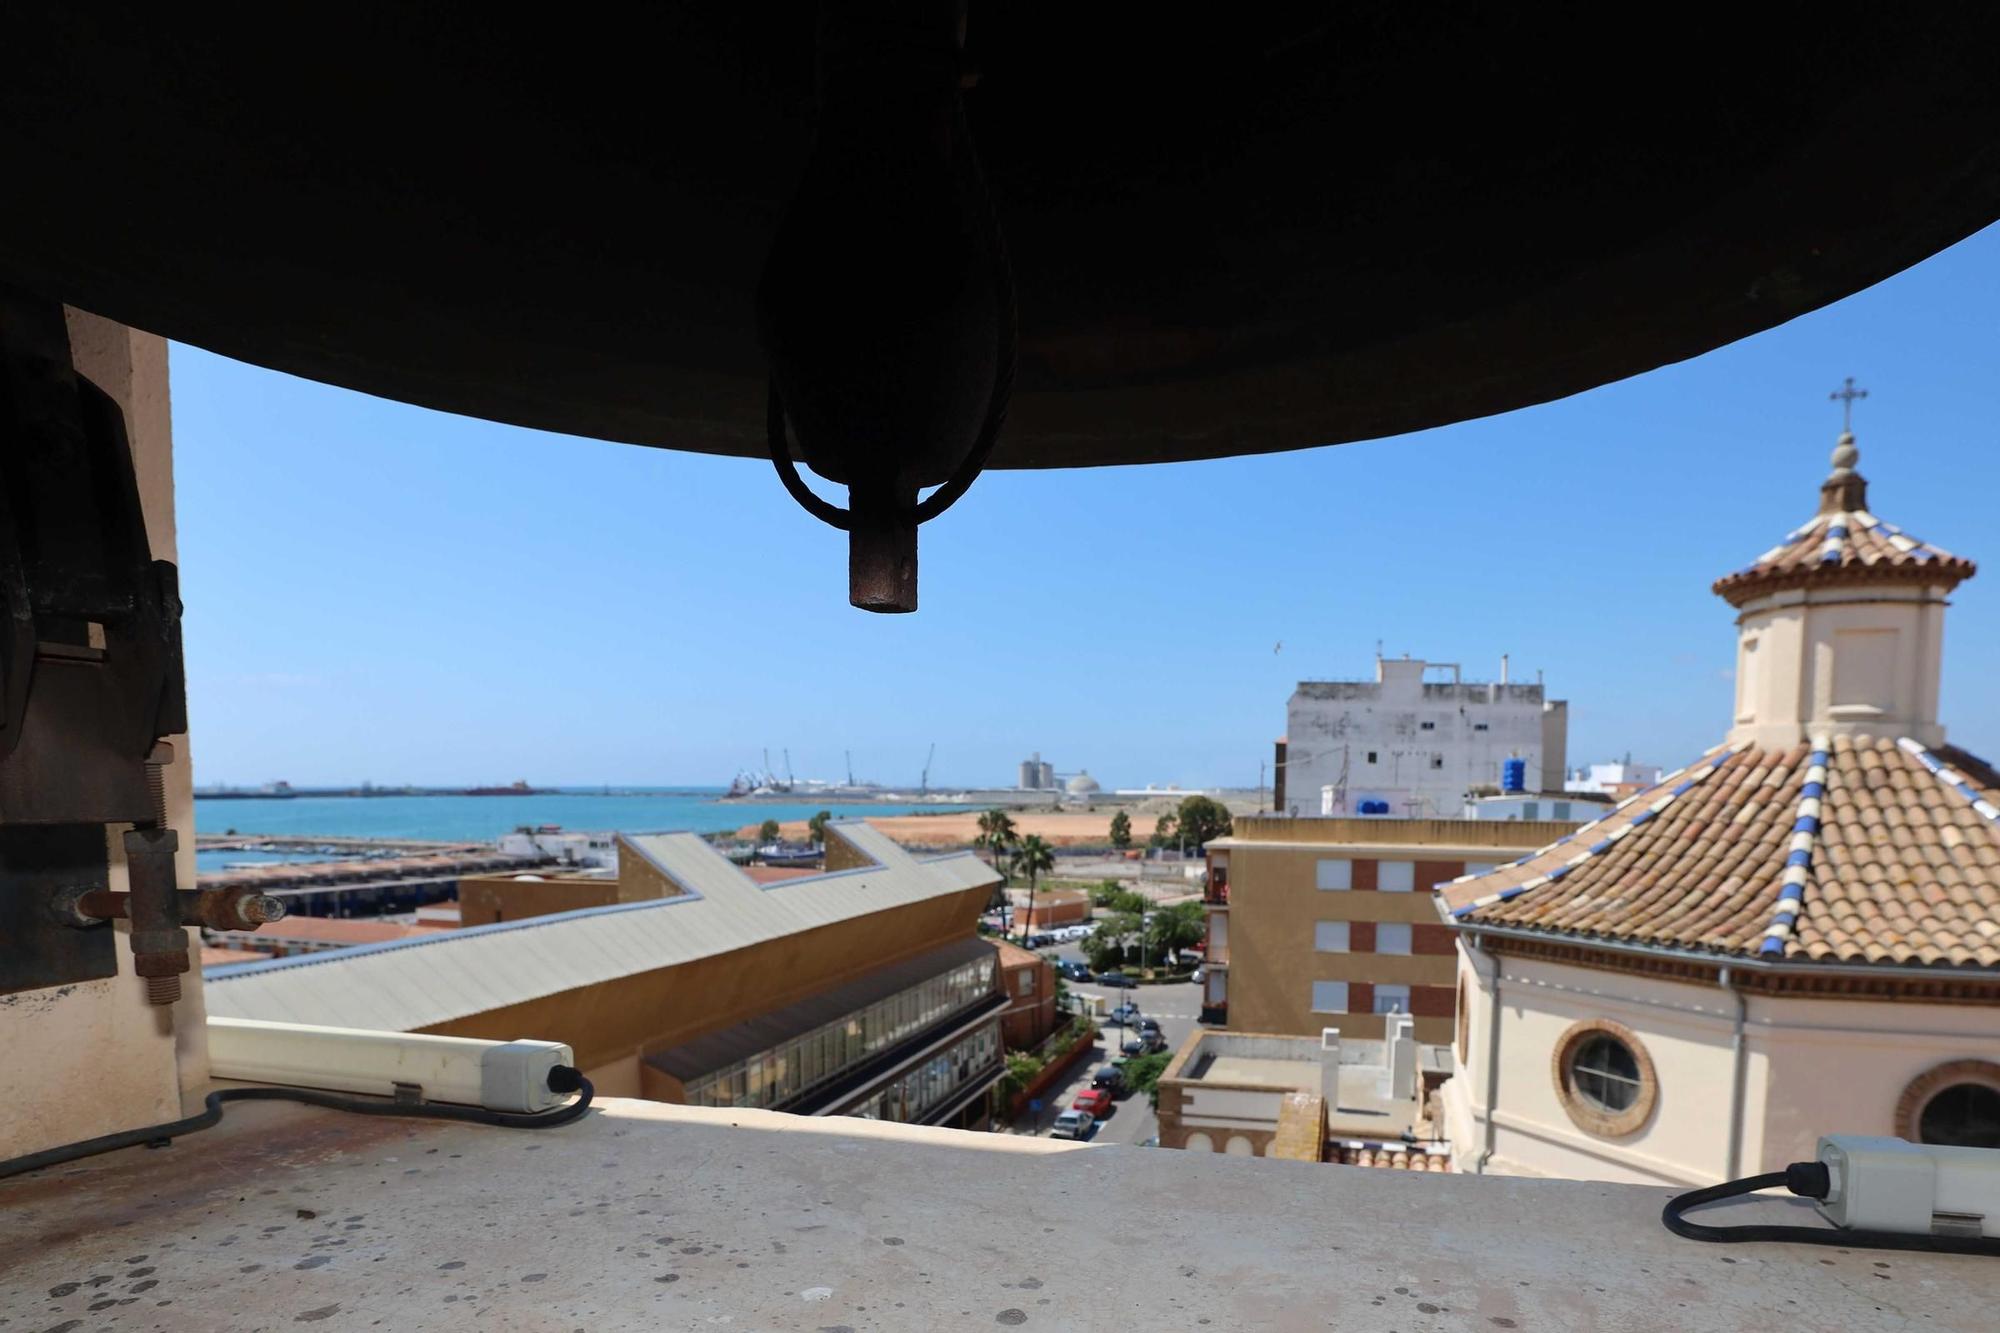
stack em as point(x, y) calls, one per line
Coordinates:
point(996, 835)
point(1032, 860)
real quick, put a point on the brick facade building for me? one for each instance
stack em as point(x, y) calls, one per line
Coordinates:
point(1317, 923)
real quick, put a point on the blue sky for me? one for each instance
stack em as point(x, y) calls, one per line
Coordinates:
point(380, 592)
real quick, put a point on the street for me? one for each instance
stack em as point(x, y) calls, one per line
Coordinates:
point(1177, 1007)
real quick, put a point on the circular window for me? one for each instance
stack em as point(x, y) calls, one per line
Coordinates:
point(1964, 1115)
point(1955, 1104)
point(1604, 1078)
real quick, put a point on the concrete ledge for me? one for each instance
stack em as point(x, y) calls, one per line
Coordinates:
point(645, 1216)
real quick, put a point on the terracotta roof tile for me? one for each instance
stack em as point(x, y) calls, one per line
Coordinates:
point(1841, 544)
point(1901, 865)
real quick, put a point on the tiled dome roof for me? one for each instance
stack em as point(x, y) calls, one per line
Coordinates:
point(1844, 543)
point(1854, 850)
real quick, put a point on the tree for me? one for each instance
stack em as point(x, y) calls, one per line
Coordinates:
point(1163, 832)
point(1105, 893)
point(996, 835)
point(1105, 946)
point(1121, 830)
point(1171, 929)
point(1033, 860)
point(1130, 903)
point(1142, 1074)
point(767, 831)
point(816, 828)
point(1201, 819)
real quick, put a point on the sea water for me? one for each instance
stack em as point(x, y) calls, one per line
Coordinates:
point(484, 818)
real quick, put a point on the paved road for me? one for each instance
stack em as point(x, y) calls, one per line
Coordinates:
point(1178, 1007)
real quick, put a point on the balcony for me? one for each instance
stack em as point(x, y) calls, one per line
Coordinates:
point(647, 1216)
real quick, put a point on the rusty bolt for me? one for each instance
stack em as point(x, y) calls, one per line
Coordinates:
point(262, 909)
point(163, 990)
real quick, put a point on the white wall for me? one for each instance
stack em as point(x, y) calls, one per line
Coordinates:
point(1858, 660)
point(1811, 1067)
point(1327, 721)
point(1840, 1066)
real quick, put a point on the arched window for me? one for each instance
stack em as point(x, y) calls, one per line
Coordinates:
point(1604, 1078)
point(1955, 1104)
point(1963, 1115)
point(1199, 1142)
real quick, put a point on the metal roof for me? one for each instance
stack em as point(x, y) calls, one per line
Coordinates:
point(406, 985)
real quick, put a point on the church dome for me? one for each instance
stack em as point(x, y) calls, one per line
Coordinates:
point(1843, 543)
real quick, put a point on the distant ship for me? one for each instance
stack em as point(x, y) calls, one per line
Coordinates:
point(275, 791)
point(519, 788)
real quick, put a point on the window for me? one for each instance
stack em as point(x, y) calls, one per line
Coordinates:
point(1392, 999)
point(1025, 982)
point(1531, 809)
point(1437, 761)
point(1393, 937)
point(1336, 874)
point(1428, 726)
point(1329, 997)
point(1371, 756)
point(1479, 726)
point(1605, 1073)
point(1480, 867)
point(1396, 876)
point(1330, 936)
point(1955, 1104)
point(1965, 1115)
point(1604, 1078)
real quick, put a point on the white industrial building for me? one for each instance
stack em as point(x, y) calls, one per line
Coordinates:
point(1416, 740)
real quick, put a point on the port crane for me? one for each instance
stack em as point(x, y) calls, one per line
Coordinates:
point(924, 783)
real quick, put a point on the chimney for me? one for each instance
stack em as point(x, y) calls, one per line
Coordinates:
point(1503, 668)
point(1402, 1034)
point(1329, 1066)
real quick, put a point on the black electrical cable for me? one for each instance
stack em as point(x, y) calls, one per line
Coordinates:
point(1809, 1180)
point(561, 1079)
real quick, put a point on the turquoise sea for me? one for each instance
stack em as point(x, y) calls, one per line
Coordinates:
point(484, 818)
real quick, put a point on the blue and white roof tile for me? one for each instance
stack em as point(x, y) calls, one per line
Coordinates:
point(1839, 850)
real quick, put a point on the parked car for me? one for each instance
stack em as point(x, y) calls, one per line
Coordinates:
point(1200, 974)
point(1151, 1025)
point(1041, 939)
point(1126, 1014)
point(1075, 971)
point(1073, 1125)
point(1117, 981)
point(1112, 1079)
point(1133, 1046)
point(1096, 1101)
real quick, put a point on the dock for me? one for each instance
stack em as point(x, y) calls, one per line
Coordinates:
point(409, 876)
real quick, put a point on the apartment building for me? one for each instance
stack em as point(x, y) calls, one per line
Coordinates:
point(1415, 741)
point(1318, 923)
